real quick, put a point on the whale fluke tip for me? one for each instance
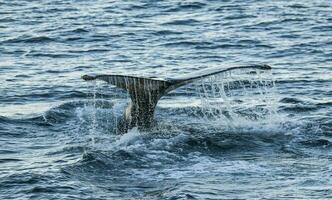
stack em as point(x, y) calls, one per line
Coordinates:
point(88, 77)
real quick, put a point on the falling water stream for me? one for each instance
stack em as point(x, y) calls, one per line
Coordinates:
point(237, 96)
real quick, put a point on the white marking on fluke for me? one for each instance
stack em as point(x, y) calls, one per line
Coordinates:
point(145, 92)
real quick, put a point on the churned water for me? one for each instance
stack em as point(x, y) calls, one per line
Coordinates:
point(58, 137)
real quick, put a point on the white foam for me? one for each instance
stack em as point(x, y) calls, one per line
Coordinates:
point(128, 138)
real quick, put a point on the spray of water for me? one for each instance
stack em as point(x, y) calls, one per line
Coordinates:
point(90, 114)
point(238, 97)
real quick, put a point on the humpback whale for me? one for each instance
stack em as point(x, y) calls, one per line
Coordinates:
point(145, 92)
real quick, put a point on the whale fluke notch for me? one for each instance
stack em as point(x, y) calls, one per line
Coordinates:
point(145, 92)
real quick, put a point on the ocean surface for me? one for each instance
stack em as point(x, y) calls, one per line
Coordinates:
point(58, 136)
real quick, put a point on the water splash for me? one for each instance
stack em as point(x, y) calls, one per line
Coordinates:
point(128, 138)
point(94, 117)
point(238, 97)
point(88, 115)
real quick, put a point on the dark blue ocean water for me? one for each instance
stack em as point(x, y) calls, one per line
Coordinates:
point(56, 142)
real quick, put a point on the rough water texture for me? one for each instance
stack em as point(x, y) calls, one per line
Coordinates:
point(56, 142)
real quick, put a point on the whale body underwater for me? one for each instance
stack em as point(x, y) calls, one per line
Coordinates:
point(145, 92)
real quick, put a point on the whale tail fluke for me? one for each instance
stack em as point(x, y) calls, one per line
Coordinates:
point(145, 92)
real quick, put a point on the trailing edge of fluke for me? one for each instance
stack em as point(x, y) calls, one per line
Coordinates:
point(145, 92)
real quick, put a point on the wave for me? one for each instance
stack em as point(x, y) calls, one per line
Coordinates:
point(290, 100)
point(4, 120)
point(30, 39)
point(186, 6)
point(6, 160)
point(6, 19)
point(181, 22)
point(99, 50)
point(80, 30)
point(50, 55)
point(185, 43)
point(317, 143)
point(167, 32)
